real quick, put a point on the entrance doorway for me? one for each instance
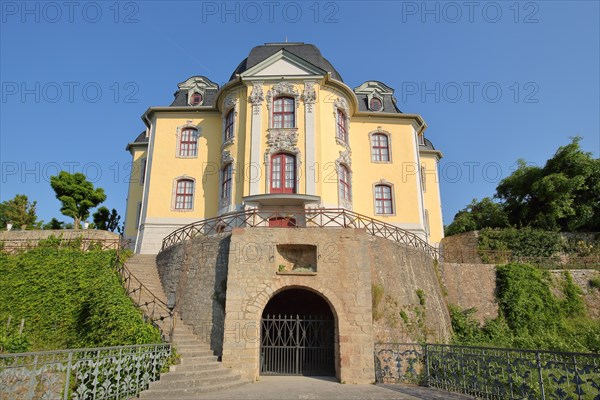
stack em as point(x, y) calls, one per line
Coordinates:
point(297, 335)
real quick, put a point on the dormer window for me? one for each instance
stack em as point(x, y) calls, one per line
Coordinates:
point(375, 104)
point(284, 112)
point(196, 99)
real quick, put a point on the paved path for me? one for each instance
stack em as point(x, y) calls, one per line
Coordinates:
point(310, 388)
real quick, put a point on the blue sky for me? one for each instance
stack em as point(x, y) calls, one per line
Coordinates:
point(495, 81)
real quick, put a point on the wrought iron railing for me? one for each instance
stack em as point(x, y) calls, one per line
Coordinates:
point(491, 373)
point(101, 373)
point(301, 218)
point(154, 309)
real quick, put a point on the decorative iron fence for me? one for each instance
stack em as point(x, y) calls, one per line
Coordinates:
point(491, 373)
point(101, 373)
point(301, 218)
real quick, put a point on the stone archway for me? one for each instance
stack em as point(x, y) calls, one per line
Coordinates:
point(297, 335)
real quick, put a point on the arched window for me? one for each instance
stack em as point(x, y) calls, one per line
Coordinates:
point(380, 148)
point(283, 173)
point(184, 194)
point(345, 185)
point(226, 174)
point(384, 203)
point(284, 112)
point(342, 126)
point(228, 134)
point(188, 142)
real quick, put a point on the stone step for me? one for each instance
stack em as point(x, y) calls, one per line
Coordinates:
point(189, 342)
point(187, 393)
point(197, 360)
point(195, 381)
point(177, 376)
point(194, 352)
point(195, 367)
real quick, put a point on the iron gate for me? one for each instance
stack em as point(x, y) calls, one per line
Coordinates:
point(294, 345)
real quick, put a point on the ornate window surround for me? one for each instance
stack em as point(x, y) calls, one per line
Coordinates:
point(283, 89)
point(393, 192)
point(174, 193)
point(375, 95)
point(380, 131)
point(341, 104)
point(345, 160)
point(230, 104)
point(188, 125)
point(282, 141)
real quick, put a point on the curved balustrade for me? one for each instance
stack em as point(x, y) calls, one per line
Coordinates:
point(302, 218)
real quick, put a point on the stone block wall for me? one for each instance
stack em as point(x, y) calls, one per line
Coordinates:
point(194, 273)
point(408, 302)
point(343, 279)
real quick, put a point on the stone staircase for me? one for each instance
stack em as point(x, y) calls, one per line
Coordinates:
point(199, 370)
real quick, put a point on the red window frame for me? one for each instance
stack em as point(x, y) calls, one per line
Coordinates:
point(196, 99)
point(383, 199)
point(184, 194)
point(284, 112)
point(342, 126)
point(188, 142)
point(229, 125)
point(226, 175)
point(283, 173)
point(378, 102)
point(345, 185)
point(380, 147)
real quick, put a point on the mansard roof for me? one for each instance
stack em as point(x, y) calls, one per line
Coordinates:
point(307, 52)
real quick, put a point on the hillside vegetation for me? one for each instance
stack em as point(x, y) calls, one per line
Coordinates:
point(530, 315)
point(68, 298)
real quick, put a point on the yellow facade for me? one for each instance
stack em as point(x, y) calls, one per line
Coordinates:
point(318, 103)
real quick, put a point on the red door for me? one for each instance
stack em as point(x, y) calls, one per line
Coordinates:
point(283, 173)
point(281, 222)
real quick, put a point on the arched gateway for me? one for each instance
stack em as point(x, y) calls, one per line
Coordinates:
point(297, 335)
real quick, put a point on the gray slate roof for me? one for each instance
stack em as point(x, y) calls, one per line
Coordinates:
point(308, 52)
point(210, 96)
point(389, 106)
point(427, 146)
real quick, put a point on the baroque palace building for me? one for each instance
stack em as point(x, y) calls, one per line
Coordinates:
point(287, 144)
point(285, 132)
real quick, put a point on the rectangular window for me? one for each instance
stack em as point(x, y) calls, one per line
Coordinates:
point(284, 113)
point(380, 149)
point(423, 178)
point(184, 198)
point(226, 182)
point(188, 143)
point(383, 199)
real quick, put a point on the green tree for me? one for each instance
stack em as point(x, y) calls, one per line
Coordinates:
point(560, 196)
point(107, 220)
point(76, 194)
point(54, 224)
point(478, 215)
point(18, 211)
point(563, 195)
